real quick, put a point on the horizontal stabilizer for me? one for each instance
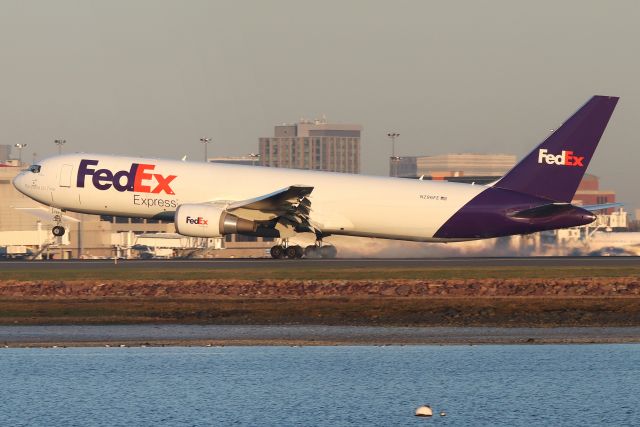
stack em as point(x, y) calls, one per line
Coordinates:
point(593, 208)
point(543, 211)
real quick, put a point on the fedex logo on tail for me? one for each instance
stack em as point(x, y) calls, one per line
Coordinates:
point(139, 178)
point(197, 221)
point(566, 158)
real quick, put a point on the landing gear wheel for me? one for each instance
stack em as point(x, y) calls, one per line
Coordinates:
point(328, 251)
point(293, 252)
point(277, 252)
point(58, 230)
point(312, 251)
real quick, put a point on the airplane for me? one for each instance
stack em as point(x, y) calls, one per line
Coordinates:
point(212, 200)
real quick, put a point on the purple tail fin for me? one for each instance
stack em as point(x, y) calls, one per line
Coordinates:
point(555, 168)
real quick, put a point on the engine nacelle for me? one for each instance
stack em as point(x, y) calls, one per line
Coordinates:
point(201, 220)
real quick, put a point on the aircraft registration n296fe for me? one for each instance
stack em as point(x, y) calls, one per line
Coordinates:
point(212, 200)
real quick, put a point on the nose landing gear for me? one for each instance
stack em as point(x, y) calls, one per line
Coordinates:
point(58, 230)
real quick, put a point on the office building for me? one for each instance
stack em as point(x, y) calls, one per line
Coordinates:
point(313, 145)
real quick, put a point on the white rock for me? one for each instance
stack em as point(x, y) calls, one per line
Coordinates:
point(424, 411)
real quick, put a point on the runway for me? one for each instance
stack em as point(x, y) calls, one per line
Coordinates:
point(339, 263)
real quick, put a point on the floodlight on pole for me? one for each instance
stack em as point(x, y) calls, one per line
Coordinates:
point(394, 158)
point(60, 143)
point(20, 147)
point(393, 136)
point(205, 142)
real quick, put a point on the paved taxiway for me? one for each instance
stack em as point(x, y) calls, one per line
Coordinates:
point(392, 263)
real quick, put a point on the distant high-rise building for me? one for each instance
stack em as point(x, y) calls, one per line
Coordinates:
point(314, 145)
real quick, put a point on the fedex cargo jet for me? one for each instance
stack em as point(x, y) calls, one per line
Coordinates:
point(212, 200)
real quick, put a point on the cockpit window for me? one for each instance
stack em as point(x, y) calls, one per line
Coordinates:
point(35, 168)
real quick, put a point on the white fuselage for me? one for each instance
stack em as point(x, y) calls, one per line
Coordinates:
point(344, 204)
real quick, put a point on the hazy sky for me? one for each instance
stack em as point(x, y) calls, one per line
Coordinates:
point(151, 77)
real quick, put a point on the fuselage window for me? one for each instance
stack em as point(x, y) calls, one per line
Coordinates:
point(35, 168)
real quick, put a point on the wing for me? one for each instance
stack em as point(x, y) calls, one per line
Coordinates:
point(290, 206)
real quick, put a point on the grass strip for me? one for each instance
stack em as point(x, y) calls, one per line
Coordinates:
point(314, 273)
point(504, 311)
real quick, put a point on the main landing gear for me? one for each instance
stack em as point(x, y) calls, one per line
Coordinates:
point(291, 252)
point(318, 250)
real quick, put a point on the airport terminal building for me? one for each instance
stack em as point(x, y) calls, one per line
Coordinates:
point(460, 167)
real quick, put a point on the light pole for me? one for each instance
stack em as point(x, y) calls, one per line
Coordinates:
point(394, 158)
point(20, 147)
point(255, 158)
point(206, 142)
point(60, 143)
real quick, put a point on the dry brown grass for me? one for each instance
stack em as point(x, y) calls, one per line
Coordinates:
point(493, 311)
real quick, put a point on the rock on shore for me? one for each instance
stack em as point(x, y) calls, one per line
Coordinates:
point(406, 288)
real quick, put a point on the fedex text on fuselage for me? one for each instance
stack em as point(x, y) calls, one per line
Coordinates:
point(138, 178)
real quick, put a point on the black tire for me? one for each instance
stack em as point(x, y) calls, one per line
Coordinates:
point(58, 231)
point(291, 252)
point(328, 251)
point(277, 252)
point(312, 251)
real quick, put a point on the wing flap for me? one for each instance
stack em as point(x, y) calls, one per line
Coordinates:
point(275, 201)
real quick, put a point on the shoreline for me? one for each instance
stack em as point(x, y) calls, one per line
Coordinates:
point(504, 303)
point(172, 335)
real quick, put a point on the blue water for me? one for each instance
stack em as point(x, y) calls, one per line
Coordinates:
point(562, 385)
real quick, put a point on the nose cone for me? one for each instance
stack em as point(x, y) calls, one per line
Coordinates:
point(19, 182)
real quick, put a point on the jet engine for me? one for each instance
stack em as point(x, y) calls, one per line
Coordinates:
point(201, 220)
